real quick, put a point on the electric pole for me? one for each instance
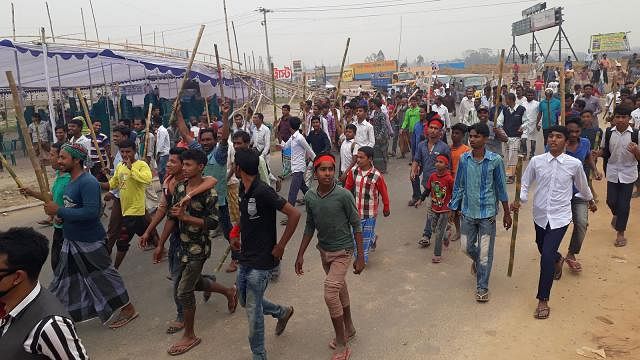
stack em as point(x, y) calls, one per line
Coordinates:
point(270, 63)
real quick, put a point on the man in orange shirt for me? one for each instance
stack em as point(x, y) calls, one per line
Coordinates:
point(458, 132)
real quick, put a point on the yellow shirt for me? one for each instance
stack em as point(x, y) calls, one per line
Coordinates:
point(131, 184)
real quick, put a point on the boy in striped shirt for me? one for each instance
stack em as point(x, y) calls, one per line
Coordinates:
point(367, 184)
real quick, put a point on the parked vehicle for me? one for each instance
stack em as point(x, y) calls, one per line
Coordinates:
point(461, 82)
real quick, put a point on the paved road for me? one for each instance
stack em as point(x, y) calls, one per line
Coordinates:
point(404, 306)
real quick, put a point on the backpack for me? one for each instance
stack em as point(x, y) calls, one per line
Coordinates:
point(606, 152)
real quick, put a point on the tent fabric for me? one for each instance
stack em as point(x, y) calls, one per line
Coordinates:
point(84, 67)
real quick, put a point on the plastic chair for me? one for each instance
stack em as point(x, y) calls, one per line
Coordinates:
point(8, 151)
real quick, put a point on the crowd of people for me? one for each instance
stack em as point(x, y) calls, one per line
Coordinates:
point(217, 180)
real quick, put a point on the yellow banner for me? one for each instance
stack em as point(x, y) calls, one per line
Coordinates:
point(374, 67)
point(609, 42)
point(347, 75)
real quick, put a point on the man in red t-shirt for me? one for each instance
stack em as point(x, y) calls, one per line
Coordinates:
point(538, 85)
point(440, 186)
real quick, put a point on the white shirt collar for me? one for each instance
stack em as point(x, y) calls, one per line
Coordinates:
point(550, 157)
point(26, 301)
point(629, 129)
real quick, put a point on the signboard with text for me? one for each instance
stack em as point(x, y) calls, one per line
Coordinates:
point(283, 73)
point(545, 19)
point(297, 66)
point(609, 42)
point(347, 75)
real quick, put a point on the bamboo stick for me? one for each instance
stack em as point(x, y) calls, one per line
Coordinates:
point(304, 86)
point(44, 170)
point(15, 177)
point(223, 258)
point(514, 229)
point(206, 109)
point(344, 58)
point(220, 84)
point(147, 126)
point(35, 163)
point(87, 120)
point(499, 89)
point(185, 78)
point(563, 95)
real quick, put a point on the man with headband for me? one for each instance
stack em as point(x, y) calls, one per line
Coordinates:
point(332, 211)
point(84, 265)
point(424, 161)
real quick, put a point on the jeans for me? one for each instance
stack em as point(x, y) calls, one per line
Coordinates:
point(548, 241)
point(252, 284)
point(619, 201)
point(162, 167)
point(439, 230)
point(580, 216)
point(380, 153)
point(477, 238)
point(297, 184)
point(394, 142)
point(175, 270)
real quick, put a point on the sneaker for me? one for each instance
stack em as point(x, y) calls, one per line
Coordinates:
point(424, 241)
point(282, 323)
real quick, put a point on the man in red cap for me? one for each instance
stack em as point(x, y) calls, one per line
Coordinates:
point(425, 159)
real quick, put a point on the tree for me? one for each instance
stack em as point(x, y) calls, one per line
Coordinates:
point(480, 56)
point(420, 60)
point(379, 56)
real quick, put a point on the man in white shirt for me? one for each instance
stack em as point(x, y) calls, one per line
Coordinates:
point(635, 116)
point(364, 135)
point(163, 145)
point(529, 128)
point(556, 174)
point(300, 152)
point(348, 151)
point(467, 108)
point(261, 140)
point(442, 110)
point(75, 130)
point(620, 151)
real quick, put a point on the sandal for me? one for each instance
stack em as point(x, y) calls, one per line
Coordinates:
point(181, 349)
point(233, 304)
point(333, 345)
point(482, 296)
point(343, 355)
point(620, 242)
point(172, 329)
point(121, 321)
point(436, 259)
point(542, 313)
point(45, 222)
point(574, 265)
point(558, 273)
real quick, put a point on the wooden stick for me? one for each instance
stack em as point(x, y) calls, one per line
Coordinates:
point(514, 229)
point(499, 89)
point(185, 78)
point(344, 58)
point(563, 110)
point(15, 177)
point(44, 169)
point(220, 84)
point(206, 109)
point(87, 120)
point(304, 86)
point(223, 258)
point(146, 134)
point(35, 163)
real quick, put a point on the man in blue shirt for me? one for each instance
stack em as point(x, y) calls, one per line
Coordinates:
point(425, 159)
point(480, 183)
point(548, 113)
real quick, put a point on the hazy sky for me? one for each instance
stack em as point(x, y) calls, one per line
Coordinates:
point(316, 31)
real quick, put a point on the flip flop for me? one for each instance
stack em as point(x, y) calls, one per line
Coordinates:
point(234, 304)
point(436, 259)
point(620, 242)
point(574, 265)
point(542, 313)
point(172, 329)
point(45, 223)
point(333, 345)
point(346, 355)
point(121, 321)
point(181, 349)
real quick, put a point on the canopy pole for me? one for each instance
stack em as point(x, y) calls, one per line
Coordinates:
point(86, 43)
point(226, 24)
point(15, 55)
point(235, 39)
point(46, 79)
point(53, 38)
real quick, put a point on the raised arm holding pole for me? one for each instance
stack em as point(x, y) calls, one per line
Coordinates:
point(105, 164)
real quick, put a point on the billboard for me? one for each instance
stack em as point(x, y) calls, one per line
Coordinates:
point(283, 74)
point(374, 67)
point(609, 42)
point(347, 75)
point(534, 9)
point(546, 19)
point(521, 27)
point(297, 66)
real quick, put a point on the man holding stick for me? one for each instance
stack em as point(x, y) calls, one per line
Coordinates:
point(479, 185)
point(40, 134)
point(556, 174)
